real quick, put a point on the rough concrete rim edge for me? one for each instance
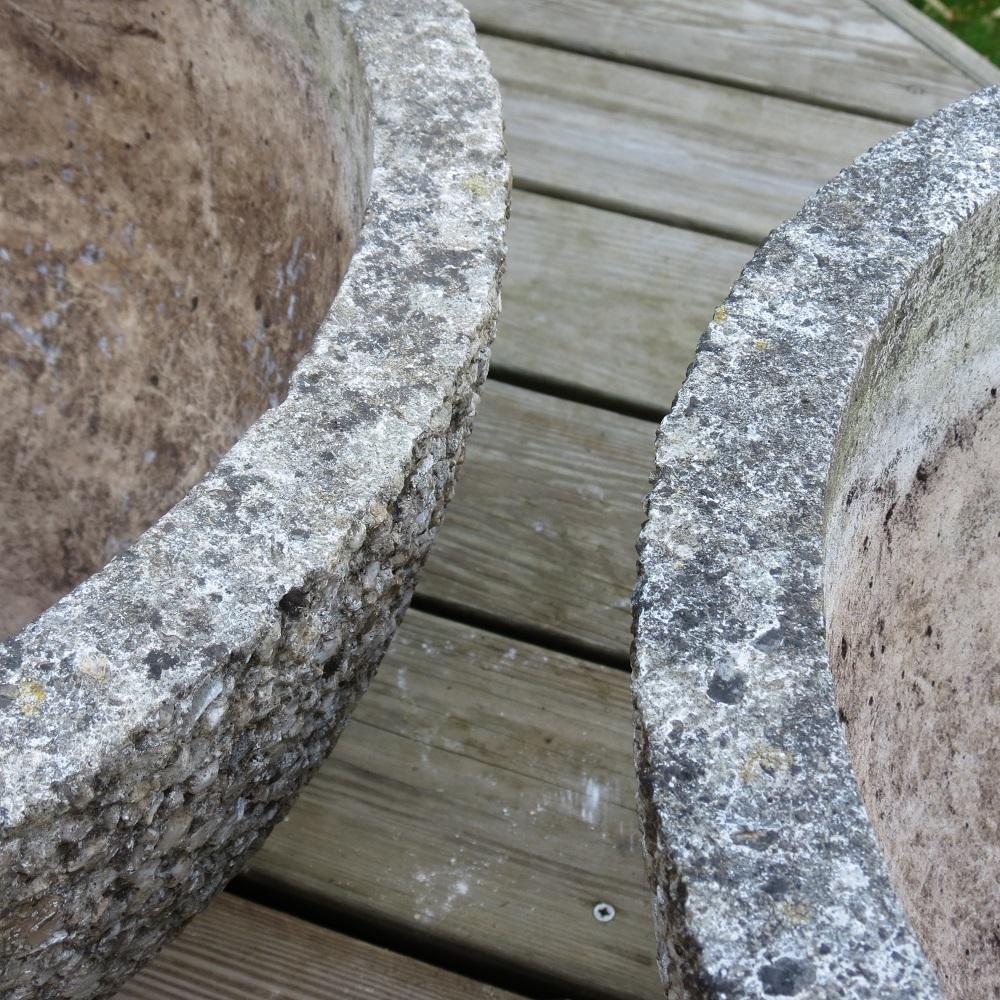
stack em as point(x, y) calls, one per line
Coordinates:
point(351, 368)
point(729, 596)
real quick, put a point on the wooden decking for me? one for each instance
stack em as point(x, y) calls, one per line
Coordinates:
point(482, 800)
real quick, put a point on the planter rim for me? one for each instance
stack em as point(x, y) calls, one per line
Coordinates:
point(212, 580)
point(767, 875)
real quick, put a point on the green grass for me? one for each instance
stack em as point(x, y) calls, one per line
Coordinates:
point(976, 22)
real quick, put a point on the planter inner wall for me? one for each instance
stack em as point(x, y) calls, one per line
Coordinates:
point(180, 193)
point(912, 588)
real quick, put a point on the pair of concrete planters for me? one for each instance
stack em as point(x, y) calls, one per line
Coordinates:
point(159, 718)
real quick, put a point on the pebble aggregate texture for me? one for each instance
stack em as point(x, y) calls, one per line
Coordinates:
point(769, 879)
point(159, 719)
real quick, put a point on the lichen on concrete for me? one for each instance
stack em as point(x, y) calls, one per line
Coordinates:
point(768, 876)
point(158, 720)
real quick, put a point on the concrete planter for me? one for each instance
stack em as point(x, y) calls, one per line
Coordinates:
point(822, 541)
point(185, 191)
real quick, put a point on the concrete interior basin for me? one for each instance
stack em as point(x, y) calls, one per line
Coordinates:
point(912, 591)
point(250, 257)
point(816, 645)
point(165, 258)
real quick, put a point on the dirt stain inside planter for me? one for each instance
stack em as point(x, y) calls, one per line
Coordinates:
point(177, 210)
point(912, 575)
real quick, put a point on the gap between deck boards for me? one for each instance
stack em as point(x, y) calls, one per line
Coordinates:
point(237, 950)
point(480, 803)
point(879, 58)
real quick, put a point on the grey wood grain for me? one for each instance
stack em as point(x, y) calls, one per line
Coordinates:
point(938, 39)
point(484, 796)
point(676, 150)
point(542, 529)
point(238, 950)
point(605, 305)
point(854, 55)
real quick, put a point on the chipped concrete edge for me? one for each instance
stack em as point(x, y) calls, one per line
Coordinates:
point(767, 877)
point(159, 719)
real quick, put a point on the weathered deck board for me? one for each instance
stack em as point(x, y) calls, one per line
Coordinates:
point(237, 950)
point(606, 303)
point(844, 55)
point(483, 794)
point(543, 525)
point(938, 39)
point(676, 150)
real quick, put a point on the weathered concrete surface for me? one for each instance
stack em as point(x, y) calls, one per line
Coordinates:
point(157, 720)
point(912, 587)
point(166, 260)
point(824, 436)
